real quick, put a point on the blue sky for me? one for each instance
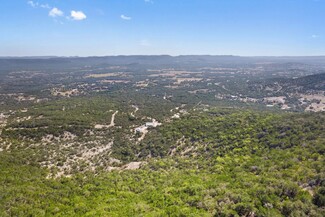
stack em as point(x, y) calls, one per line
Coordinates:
point(175, 27)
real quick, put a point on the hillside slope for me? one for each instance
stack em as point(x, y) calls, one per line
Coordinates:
point(209, 163)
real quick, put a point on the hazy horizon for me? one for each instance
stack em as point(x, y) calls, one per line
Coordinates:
point(153, 55)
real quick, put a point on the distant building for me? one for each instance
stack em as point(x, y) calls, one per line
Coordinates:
point(140, 129)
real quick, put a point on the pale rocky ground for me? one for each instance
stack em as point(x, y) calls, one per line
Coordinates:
point(112, 124)
point(275, 100)
point(66, 153)
point(104, 75)
point(317, 102)
point(3, 123)
point(65, 93)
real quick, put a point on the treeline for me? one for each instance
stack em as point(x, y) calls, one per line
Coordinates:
point(216, 133)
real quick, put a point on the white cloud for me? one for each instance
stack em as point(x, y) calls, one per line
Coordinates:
point(315, 36)
point(38, 5)
point(78, 15)
point(33, 4)
point(46, 6)
point(55, 12)
point(125, 17)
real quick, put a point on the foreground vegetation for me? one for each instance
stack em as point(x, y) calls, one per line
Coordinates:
point(208, 163)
